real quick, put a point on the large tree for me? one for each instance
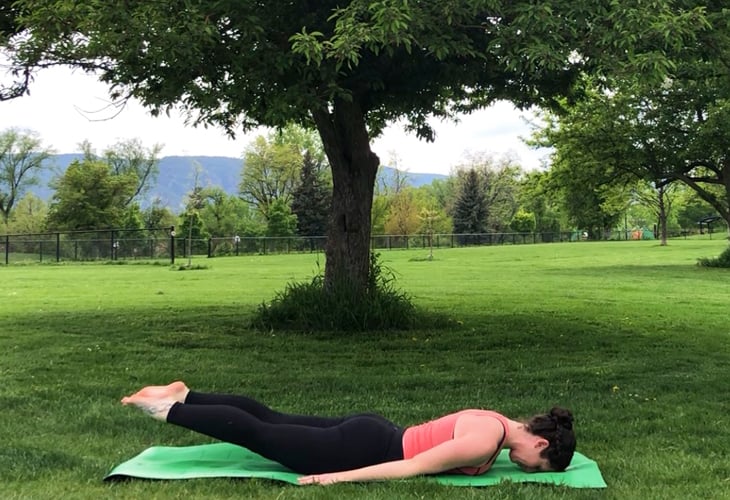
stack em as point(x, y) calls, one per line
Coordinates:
point(10, 25)
point(22, 155)
point(157, 215)
point(270, 173)
point(89, 196)
point(659, 199)
point(347, 68)
point(225, 215)
point(29, 216)
point(592, 196)
point(676, 129)
point(403, 214)
point(690, 208)
point(655, 134)
point(500, 181)
point(130, 157)
point(536, 197)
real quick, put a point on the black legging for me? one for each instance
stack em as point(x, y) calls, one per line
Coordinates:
point(304, 444)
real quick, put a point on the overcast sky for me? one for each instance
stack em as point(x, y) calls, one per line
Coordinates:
point(68, 107)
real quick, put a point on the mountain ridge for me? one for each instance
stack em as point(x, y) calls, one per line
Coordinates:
point(175, 178)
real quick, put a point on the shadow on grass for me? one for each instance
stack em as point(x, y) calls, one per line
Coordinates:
point(229, 327)
point(672, 270)
point(542, 346)
point(26, 462)
point(189, 325)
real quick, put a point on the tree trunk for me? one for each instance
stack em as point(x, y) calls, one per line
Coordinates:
point(723, 179)
point(662, 215)
point(354, 168)
point(722, 205)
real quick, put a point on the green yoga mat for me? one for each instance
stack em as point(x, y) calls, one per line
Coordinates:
point(228, 460)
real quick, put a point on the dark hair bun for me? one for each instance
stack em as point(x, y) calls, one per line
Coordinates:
point(562, 417)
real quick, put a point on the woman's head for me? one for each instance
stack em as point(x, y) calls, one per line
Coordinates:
point(556, 427)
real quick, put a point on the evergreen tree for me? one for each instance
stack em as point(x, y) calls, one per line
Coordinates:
point(470, 209)
point(281, 221)
point(311, 199)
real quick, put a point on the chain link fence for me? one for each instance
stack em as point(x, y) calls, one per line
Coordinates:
point(162, 244)
point(111, 244)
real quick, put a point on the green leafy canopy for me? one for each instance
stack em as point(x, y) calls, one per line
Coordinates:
point(241, 64)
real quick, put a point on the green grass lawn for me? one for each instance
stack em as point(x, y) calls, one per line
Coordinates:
point(633, 337)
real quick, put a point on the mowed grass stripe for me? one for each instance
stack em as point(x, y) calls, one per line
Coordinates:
point(632, 336)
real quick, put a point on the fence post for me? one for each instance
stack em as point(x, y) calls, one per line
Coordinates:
point(172, 244)
point(58, 247)
point(210, 247)
point(40, 249)
point(7, 249)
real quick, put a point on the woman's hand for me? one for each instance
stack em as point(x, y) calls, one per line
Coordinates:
point(330, 478)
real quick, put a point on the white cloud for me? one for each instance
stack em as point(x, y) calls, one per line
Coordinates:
point(496, 130)
point(68, 107)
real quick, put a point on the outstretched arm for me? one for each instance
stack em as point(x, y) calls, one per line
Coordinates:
point(465, 451)
point(387, 470)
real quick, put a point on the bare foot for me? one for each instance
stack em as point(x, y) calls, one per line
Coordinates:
point(156, 400)
point(177, 391)
point(157, 408)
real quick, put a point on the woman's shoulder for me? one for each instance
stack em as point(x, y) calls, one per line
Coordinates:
point(480, 412)
point(476, 421)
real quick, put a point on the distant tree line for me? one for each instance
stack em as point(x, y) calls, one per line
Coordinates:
point(285, 190)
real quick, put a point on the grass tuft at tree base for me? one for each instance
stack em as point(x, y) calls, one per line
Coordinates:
point(723, 260)
point(309, 306)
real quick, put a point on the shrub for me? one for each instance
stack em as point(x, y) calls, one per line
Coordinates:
point(191, 267)
point(224, 248)
point(722, 261)
point(308, 306)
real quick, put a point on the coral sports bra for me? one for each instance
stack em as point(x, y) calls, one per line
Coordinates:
point(419, 438)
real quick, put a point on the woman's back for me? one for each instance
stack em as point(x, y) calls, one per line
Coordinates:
point(489, 427)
